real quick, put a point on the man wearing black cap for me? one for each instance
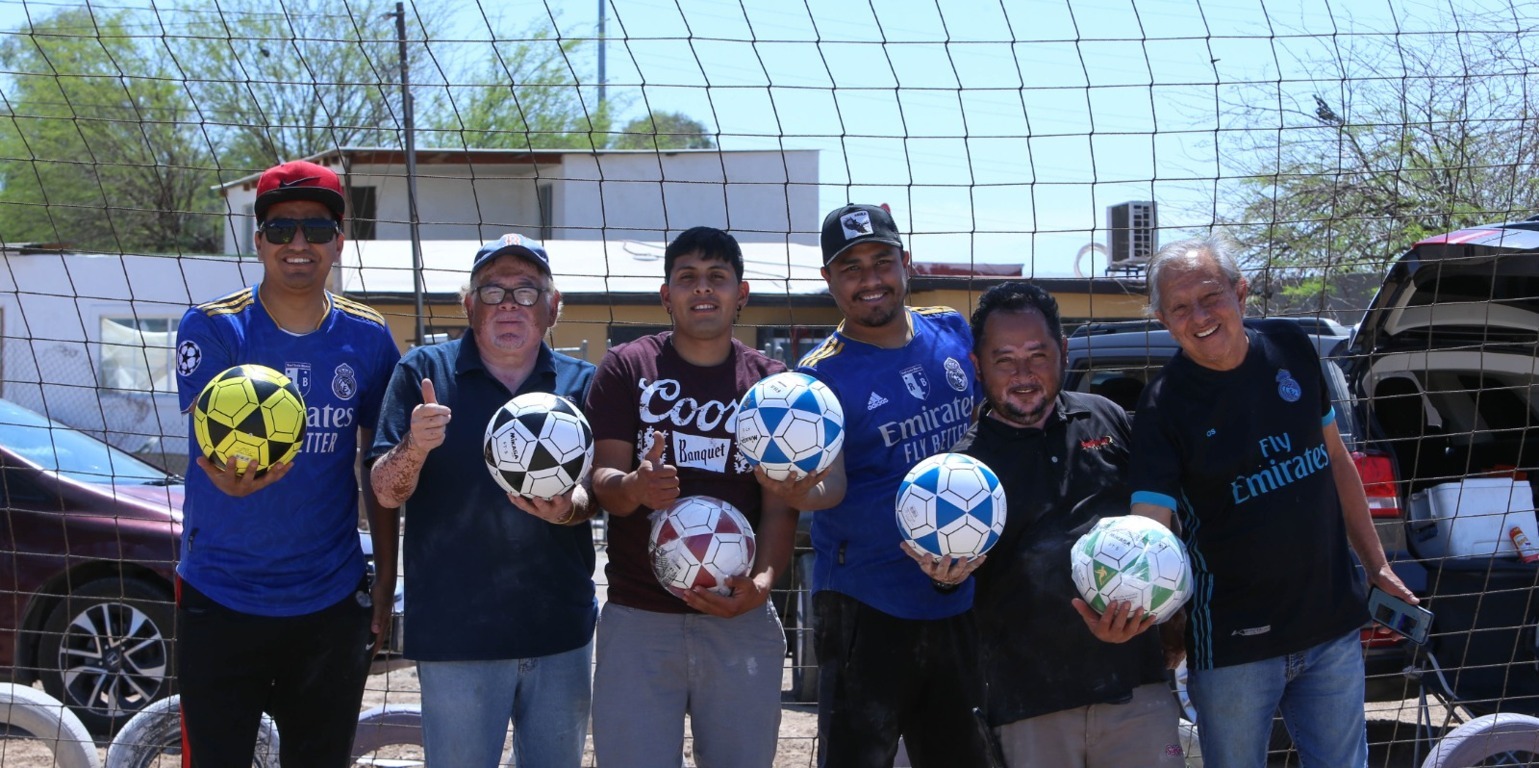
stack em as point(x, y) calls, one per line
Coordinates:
point(272, 611)
point(501, 606)
point(896, 644)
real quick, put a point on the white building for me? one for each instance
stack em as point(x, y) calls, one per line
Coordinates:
point(614, 195)
point(87, 338)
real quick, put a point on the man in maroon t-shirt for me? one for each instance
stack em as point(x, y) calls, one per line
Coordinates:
point(664, 416)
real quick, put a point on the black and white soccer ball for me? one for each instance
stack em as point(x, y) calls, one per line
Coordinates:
point(538, 445)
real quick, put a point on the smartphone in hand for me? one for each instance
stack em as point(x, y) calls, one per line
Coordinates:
point(1411, 621)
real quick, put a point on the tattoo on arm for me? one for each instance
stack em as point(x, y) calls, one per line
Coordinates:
point(395, 474)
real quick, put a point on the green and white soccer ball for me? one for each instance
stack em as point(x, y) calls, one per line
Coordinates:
point(1133, 559)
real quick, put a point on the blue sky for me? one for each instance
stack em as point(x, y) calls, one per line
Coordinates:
point(998, 131)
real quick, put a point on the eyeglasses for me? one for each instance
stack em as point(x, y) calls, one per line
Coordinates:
point(282, 231)
point(524, 296)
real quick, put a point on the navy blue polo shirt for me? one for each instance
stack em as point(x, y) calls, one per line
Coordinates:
point(484, 579)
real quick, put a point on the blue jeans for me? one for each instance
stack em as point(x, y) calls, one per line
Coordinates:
point(466, 706)
point(1320, 693)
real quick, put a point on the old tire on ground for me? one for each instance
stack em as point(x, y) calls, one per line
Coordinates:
point(46, 719)
point(157, 731)
point(1502, 736)
point(388, 725)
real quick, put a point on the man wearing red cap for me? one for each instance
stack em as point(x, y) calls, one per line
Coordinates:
point(273, 610)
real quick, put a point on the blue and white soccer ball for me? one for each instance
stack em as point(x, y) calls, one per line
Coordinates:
point(951, 505)
point(792, 424)
point(1134, 559)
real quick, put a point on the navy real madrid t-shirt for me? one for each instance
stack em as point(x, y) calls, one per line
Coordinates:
point(1240, 456)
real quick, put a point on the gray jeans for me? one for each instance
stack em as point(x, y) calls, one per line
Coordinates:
point(654, 668)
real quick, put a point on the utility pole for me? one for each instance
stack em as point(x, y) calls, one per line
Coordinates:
point(408, 125)
point(602, 8)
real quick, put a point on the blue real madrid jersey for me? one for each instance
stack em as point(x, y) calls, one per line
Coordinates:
point(900, 406)
point(291, 548)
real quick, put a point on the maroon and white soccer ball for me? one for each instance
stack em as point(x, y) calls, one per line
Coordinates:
point(699, 541)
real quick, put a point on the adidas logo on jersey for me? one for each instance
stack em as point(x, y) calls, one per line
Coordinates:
point(875, 402)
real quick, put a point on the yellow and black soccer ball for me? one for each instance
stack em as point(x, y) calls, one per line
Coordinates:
point(249, 411)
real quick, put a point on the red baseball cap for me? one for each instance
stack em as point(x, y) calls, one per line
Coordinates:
point(299, 180)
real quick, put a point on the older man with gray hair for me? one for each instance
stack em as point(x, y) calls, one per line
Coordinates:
point(500, 605)
point(1237, 438)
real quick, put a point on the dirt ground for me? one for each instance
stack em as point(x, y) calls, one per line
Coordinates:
point(798, 723)
point(1391, 730)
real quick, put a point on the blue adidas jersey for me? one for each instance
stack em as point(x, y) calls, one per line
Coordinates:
point(291, 548)
point(900, 406)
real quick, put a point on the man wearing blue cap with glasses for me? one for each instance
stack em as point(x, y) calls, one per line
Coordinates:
point(500, 604)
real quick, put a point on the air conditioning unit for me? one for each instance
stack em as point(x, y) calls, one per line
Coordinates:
point(1133, 229)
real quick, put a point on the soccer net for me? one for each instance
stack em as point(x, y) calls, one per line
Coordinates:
point(1057, 142)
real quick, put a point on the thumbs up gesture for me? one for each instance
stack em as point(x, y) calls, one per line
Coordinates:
point(429, 421)
point(654, 484)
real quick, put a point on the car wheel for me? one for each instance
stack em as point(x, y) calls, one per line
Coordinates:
point(804, 653)
point(1498, 739)
point(107, 651)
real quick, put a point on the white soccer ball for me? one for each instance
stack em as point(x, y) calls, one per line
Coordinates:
point(951, 505)
point(538, 445)
point(699, 541)
point(792, 424)
point(1134, 559)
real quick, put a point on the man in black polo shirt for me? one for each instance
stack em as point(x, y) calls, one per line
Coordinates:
point(500, 606)
point(1056, 694)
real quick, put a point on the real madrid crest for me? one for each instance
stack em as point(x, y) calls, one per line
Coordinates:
point(954, 375)
point(344, 383)
point(1287, 388)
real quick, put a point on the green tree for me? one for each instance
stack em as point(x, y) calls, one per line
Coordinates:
point(664, 130)
point(97, 145)
point(317, 76)
point(527, 96)
point(1418, 137)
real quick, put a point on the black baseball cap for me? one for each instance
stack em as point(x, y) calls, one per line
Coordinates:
point(299, 180)
point(854, 224)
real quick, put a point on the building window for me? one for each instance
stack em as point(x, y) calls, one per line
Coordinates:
point(547, 196)
point(363, 212)
point(789, 343)
point(137, 354)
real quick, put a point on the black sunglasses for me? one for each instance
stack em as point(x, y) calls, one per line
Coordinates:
point(282, 231)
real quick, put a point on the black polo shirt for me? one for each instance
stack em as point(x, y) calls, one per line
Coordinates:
point(1039, 657)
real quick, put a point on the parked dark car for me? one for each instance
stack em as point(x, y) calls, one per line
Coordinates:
point(1116, 360)
point(1445, 368)
point(87, 554)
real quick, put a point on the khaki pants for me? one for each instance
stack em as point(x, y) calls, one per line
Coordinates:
point(1137, 733)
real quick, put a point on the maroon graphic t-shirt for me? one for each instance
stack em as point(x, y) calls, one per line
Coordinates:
point(644, 385)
